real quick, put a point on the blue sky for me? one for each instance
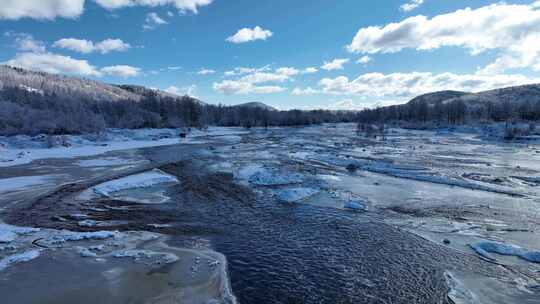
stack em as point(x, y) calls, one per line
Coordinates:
point(346, 54)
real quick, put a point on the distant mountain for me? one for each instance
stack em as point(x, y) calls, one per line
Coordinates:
point(516, 95)
point(453, 107)
point(147, 92)
point(62, 86)
point(256, 105)
point(437, 97)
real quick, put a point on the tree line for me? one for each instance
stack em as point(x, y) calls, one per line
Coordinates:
point(29, 112)
point(454, 112)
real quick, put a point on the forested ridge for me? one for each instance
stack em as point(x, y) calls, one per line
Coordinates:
point(521, 103)
point(36, 102)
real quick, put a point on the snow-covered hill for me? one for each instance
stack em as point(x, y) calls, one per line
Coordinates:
point(62, 86)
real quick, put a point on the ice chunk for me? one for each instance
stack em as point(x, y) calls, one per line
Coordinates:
point(486, 248)
point(7, 236)
point(142, 180)
point(152, 256)
point(273, 178)
point(296, 194)
point(9, 233)
point(355, 206)
point(19, 183)
point(19, 258)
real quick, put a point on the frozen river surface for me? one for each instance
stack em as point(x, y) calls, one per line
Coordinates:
point(301, 215)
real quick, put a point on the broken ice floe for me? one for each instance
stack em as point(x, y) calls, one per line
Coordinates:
point(141, 180)
point(295, 194)
point(356, 206)
point(106, 162)
point(487, 247)
point(19, 258)
point(275, 178)
point(458, 293)
point(147, 256)
point(9, 233)
point(24, 182)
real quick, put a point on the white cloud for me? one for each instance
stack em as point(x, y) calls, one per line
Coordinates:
point(53, 63)
point(310, 70)
point(250, 79)
point(87, 46)
point(304, 92)
point(231, 87)
point(190, 90)
point(260, 77)
point(364, 60)
point(411, 5)
point(182, 5)
point(246, 35)
point(512, 29)
point(204, 71)
point(346, 105)
point(243, 70)
point(50, 9)
point(40, 9)
point(287, 71)
point(406, 85)
point(26, 42)
point(336, 64)
point(121, 71)
point(152, 21)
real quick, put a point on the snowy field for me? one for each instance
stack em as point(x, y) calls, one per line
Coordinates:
point(18, 150)
point(462, 190)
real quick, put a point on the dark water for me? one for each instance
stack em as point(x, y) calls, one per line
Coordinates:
point(303, 254)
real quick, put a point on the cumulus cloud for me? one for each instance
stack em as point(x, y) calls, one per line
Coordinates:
point(50, 9)
point(189, 90)
point(26, 42)
point(364, 60)
point(87, 46)
point(41, 9)
point(411, 5)
point(243, 70)
point(204, 71)
point(407, 85)
point(310, 70)
point(336, 64)
point(346, 105)
point(231, 87)
point(249, 80)
point(247, 34)
point(304, 92)
point(512, 29)
point(182, 5)
point(152, 21)
point(121, 71)
point(287, 71)
point(53, 63)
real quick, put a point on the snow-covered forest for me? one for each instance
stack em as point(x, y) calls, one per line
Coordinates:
point(520, 103)
point(33, 103)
